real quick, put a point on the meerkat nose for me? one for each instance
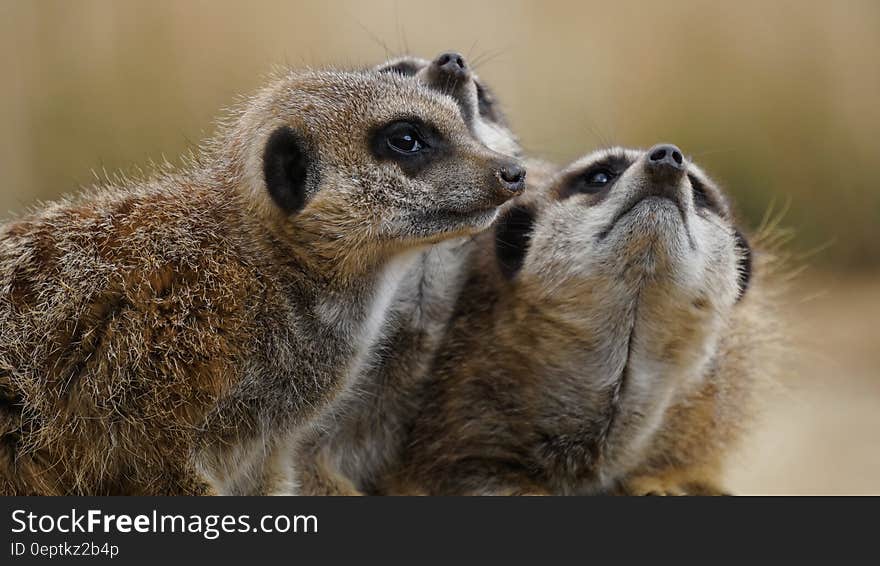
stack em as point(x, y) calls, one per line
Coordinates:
point(512, 177)
point(451, 63)
point(666, 155)
point(665, 163)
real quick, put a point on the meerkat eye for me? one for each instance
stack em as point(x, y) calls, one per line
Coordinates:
point(411, 143)
point(405, 139)
point(597, 179)
point(405, 143)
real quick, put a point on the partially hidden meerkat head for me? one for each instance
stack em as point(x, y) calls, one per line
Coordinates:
point(647, 218)
point(361, 162)
point(449, 73)
point(636, 264)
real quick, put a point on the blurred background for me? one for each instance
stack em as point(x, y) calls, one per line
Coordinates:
point(778, 100)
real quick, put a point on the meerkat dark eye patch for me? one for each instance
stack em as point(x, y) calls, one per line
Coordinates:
point(487, 105)
point(744, 264)
point(411, 143)
point(596, 179)
point(513, 232)
point(702, 196)
point(286, 169)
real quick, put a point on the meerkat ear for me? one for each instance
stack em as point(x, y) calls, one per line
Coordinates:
point(405, 67)
point(286, 168)
point(744, 265)
point(512, 235)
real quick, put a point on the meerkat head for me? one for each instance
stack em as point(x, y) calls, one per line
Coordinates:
point(450, 74)
point(362, 162)
point(649, 219)
point(638, 264)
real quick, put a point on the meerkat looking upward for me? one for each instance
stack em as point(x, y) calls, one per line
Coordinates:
point(613, 343)
point(160, 337)
point(348, 450)
point(450, 74)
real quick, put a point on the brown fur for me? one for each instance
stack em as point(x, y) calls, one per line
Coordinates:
point(688, 455)
point(163, 336)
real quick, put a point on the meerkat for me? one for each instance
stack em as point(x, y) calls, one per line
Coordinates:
point(347, 452)
point(613, 343)
point(163, 336)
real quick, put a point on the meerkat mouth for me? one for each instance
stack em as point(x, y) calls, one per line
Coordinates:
point(652, 201)
point(656, 201)
point(441, 224)
point(475, 217)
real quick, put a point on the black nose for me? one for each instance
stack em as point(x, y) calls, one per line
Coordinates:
point(666, 155)
point(451, 62)
point(512, 177)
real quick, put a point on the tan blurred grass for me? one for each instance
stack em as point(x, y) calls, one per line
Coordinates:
point(820, 432)
point(777, 99)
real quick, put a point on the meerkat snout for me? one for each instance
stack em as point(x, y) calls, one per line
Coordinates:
point(467, 180)
point(666, 154)
point(664, 167)
point(450, 62)
point(512, 177)
point(665, 164)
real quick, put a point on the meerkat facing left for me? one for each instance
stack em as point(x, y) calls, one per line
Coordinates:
point(614, 343)
point(161, 337)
